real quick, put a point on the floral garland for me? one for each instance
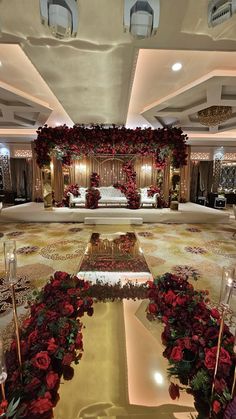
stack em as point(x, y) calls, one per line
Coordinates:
point(69, 143)
point(190, 336)
point(94, 180)
point(92, 198)
point(74, 189)
point(51, 340)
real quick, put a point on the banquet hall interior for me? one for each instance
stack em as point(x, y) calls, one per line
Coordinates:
point(118, 209)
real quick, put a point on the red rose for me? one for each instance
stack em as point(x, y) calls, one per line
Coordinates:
point(52, 379)
point(152, 308)
point(40, 406)
point(32, 338)
point(210, 357)
point(67, 309)
point(220, 385)
point(78, 341)
point(61, 276)
point(216, 406)
point(67, 359)
point(41, 360)
point(170, 297)
point(215, 313)
point(32, 385)
point(174, 391)
point(176, 354)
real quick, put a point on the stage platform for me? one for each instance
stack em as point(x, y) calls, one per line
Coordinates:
point(188, 213)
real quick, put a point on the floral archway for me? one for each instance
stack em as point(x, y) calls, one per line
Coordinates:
point(67, 143)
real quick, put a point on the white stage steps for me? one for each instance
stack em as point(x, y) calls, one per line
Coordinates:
point(113, 220)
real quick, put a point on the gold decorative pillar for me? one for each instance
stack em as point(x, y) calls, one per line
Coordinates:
point(37, 190)
point(185, 178)
point(166, 181)
point(58, 180)
point(47, 186)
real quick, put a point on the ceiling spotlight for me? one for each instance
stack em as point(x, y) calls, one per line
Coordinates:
point(141, 18)
point(176, 66)
point(61, 16)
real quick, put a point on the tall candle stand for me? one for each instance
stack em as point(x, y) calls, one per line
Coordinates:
point(3, 371)
point(10, 268)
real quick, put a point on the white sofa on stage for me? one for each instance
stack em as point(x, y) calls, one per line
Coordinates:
point(111, 195)
point(148, 200)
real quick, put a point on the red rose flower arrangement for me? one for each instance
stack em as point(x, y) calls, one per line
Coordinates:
point(92, 198)
point(68, 143)
point(190, 338)
point(94, 180)
point(51, 340)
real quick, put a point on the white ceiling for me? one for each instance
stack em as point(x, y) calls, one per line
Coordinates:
point(94, 78)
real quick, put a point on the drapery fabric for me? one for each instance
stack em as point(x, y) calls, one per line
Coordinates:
point(201, 179)
point(37, 191)
point(110, 170)
point(21, 176)
point(57, 180)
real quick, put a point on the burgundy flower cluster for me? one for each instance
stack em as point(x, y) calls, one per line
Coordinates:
point(74, 189)
point(152, 190)
point(131, 191)
point(94, 180)
point(51, 340)
point(92, 198)
point(70, 143)
point(190, 337)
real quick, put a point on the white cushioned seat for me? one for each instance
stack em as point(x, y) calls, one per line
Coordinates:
point(77, 200)
point(148, 200)
point(111, 195)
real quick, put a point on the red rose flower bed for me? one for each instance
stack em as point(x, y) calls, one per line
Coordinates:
point(190, 337)
point(51, 340)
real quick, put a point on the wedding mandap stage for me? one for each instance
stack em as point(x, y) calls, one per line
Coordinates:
point(187, 213)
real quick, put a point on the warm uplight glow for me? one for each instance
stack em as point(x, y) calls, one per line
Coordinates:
point(158, 378)
point(176, 66)
point(81, 167)
point(146, 168)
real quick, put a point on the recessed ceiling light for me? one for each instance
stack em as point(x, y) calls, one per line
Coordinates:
point(0, 63)
point(176, 66)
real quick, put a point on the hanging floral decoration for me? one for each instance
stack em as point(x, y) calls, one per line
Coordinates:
point(70, 143)
point(94, 180)
point(129, 188)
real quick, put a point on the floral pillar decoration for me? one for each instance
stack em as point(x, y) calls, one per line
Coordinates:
point(47, 186)
point(94, 180)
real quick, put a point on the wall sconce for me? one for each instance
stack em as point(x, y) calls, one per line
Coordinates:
point(146, 168)
point(81, 167)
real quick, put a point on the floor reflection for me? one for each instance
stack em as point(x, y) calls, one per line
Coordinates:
point(119, 252)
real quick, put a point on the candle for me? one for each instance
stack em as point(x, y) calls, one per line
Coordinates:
point(228, 291)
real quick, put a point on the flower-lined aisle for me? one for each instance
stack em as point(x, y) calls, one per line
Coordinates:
point(51, 339)
point(190, 337)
